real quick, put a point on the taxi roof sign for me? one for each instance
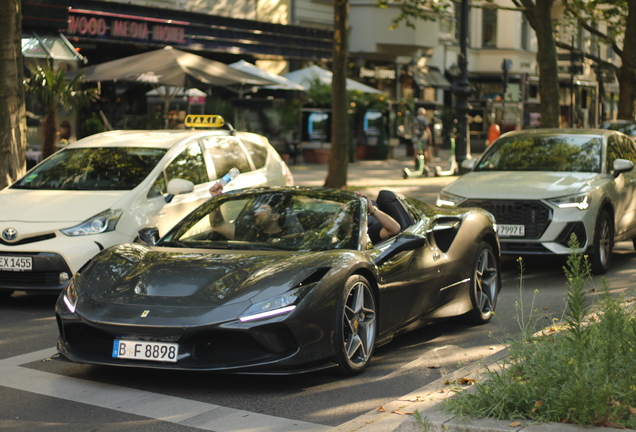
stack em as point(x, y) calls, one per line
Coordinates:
point(204, 120)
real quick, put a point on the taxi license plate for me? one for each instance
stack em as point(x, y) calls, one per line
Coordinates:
point(143, 350)
point(511, 230)
point(16, 263)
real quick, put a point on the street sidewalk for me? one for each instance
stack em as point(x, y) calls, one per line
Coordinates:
point(371, 176)
point(396, 416)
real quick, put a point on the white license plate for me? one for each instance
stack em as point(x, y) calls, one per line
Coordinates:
point(142, 350)
point(511, 230)
point(16, 263)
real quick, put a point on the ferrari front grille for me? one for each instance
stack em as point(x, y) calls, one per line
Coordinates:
point(533, 215)
point(229, 348)
point(86, 339)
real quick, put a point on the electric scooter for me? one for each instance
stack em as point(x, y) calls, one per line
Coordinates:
point(452, 163)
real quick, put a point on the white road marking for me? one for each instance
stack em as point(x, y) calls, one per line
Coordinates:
point(186, 412)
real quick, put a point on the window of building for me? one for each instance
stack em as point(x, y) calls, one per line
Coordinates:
point(489, 28)
point(525, 32)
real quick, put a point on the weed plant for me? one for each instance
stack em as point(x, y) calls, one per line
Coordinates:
point(583, 372)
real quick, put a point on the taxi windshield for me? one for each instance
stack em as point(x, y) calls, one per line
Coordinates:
point(93, 168)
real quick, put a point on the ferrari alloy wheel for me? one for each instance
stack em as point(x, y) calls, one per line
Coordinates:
point(355, 326)
point(485, 285)
point(603, 243)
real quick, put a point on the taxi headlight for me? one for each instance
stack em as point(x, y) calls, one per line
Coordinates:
point(580, 201)
point(71, 296)
point(448, 199)
point(103, 222)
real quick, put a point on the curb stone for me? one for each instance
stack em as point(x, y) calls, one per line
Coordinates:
point(396, 416)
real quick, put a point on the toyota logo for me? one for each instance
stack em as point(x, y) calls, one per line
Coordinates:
point(10, 234)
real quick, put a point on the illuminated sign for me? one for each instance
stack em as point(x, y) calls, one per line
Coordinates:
point(140, 30)
point(377, 73)
point(203, 121)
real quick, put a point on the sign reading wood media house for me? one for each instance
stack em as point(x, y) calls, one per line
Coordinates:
point(114, 26)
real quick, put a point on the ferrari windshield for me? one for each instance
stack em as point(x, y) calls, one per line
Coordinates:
point(535, 152)
point(281, 220)
point(93, 168)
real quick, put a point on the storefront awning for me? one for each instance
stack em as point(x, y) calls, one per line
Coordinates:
point(430, 77)
point(50, 47)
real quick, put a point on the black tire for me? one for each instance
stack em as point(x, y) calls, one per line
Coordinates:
point(601, 256)
point(355, 331)
point(634, 242)
point(485, 284)
point(5, 294)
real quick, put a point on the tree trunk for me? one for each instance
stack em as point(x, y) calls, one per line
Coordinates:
point(12, 110)
point(339, 155)
point(547, 59)
point(49, 131)
point(627, 72)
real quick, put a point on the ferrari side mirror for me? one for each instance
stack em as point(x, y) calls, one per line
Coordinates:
point(403, 242)
point(149, 236)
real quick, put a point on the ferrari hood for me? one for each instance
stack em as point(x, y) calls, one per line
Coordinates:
point(520, 184)
point(26, 205)
point(137, 275)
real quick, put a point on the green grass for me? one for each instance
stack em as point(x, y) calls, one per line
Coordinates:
point(582, 371)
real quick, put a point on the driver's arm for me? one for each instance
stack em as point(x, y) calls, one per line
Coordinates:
point(217, 222)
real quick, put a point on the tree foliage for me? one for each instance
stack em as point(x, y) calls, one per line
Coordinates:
point(51, 88)
point(621, 18)
point(539, 15)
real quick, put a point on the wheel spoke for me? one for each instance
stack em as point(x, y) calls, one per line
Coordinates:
point(352, 345)
point(358, 298)
point(486, 282)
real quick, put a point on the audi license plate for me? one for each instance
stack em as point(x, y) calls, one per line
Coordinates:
point(511, 230)
point(16, 263)
point(143, 350)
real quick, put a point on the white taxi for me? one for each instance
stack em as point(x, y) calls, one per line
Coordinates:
point(105, 189)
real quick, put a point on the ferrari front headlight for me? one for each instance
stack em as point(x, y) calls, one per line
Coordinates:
point(71, 296)
point(448, 199)
point(580, 201)
point(103, 222)
point(279, 305)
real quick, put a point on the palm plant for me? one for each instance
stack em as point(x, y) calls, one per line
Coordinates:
point(51, 88)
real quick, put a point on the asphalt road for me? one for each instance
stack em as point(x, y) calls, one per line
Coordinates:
point(39, 394)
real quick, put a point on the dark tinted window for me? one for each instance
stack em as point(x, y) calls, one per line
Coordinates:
point(531, 152)
point(626, 128)
point(95, 168)
point(189, 165)
point(257, 152)
point(226, 154)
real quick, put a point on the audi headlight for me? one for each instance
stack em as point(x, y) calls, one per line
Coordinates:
point(448, 199)
point(103, 222)
point(580, 201)
point(278, 305)
point(71, 296)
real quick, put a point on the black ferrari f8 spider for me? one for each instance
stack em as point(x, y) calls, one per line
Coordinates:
point(220, 293)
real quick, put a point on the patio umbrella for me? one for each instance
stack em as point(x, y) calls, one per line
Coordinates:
point(306, 76)
point(282, 83)
point(169, 66)
point(173, 69)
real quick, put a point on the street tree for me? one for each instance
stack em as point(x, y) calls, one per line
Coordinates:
point(539, 15)
point(621, 18)
point(339, 154)
point(50, 87)
point(12, 110)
